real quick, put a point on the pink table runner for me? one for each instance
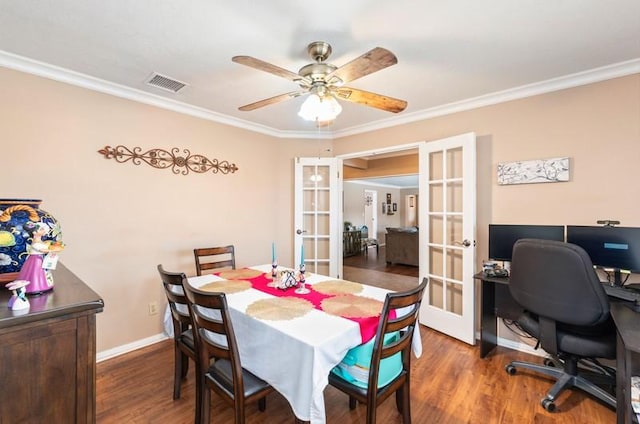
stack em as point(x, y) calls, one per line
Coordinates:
point(368, 325)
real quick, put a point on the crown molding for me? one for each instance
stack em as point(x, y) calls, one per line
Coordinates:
point(30, 66)
point(23, 64)
point(555, 84)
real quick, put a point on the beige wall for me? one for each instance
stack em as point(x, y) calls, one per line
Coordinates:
point(597, 126)
point(354, 207)
point(120, 220)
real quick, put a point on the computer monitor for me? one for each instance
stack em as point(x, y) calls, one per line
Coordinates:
point(615, 248)
point(503, 237)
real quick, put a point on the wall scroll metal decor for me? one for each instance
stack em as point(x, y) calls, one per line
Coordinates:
point(160, 158)
point(534, 171)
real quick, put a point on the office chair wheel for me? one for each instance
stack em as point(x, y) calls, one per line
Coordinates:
point(548, 405)
point(510, 369)
point(549, 362)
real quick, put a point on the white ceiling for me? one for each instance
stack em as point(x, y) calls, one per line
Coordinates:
point(452, 54)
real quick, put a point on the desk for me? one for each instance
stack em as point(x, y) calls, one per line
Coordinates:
point(627, 357)
point(497, 302)
point(294, 355)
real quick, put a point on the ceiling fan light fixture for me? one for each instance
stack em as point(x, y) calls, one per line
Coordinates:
point(320, 108)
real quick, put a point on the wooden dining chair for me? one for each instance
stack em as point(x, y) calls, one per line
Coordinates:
point(183, 339)
point(210, 258)
point(404, 325)
point(216, 340)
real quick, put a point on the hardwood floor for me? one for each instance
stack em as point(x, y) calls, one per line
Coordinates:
point(450, 384)
point(376, 261)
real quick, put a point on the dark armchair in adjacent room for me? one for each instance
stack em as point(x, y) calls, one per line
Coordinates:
point(567, 310)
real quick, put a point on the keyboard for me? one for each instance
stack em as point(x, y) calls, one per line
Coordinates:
point(622, 293)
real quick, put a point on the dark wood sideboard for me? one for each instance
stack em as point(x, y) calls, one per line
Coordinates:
point(48, 354)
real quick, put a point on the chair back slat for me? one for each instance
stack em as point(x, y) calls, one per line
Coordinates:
point(173, 288)
point(390, 349)
point(210, 258)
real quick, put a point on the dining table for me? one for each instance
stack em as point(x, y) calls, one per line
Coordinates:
point(293, 340)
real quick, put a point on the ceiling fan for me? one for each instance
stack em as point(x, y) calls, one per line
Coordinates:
point(324, 81)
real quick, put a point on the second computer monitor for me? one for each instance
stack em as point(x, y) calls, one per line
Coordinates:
point(502, 237)
point(617, 248)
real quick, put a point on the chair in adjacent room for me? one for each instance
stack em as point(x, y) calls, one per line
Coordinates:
point(398, 331)
point(183, 341)
point(215, 339)
point(212, 258)
point(567, 310)
point(368, 241)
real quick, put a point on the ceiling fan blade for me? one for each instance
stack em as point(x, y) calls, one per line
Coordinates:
point(272, 69)
point(272, 100)
point(370, 99)
point(372, 61)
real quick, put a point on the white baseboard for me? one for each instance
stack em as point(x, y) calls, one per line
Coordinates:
point(521, 347)
point(120, 350)
point(515, 345)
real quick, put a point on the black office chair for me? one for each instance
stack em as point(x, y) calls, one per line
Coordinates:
point(567, 310)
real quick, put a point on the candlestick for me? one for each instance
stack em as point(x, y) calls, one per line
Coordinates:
point(303, 288)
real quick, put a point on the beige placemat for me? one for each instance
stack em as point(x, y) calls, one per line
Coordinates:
point(337, 287)
point(350, 306)
point(227, 286)
point(240, 274)
point(279, 308)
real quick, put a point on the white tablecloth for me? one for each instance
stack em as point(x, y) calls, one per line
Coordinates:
point(295, 356)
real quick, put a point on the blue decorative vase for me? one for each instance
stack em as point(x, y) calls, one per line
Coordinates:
point(17, 217)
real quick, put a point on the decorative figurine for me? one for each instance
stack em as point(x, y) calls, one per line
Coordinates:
point(18, 300)
point(16, 215)
point(287, 280)
point(41, 259)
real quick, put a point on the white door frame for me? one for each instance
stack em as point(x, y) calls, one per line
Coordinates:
point(380, 151)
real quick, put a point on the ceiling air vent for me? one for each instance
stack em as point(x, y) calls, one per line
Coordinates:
point(165, 83)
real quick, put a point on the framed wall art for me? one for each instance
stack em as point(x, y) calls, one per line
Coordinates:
point(534, 171)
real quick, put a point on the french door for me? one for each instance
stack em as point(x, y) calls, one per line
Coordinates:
point(318, 215)
point(447, 216)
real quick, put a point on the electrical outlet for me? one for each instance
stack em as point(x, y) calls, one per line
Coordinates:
point(153, 308)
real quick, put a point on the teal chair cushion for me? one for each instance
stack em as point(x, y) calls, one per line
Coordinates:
point(354, 368)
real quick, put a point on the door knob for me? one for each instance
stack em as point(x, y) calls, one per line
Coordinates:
point(464, 243)
point(298, 232)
